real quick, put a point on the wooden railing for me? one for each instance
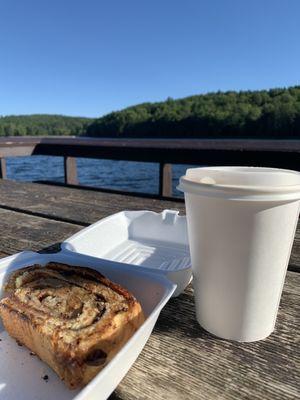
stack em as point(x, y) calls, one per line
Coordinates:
point(273, 153)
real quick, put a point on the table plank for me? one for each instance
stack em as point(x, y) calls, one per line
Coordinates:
point(78, 206)
point(20, 232)
point(295, 255)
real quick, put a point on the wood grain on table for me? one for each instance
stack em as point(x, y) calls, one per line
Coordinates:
point(180, 360)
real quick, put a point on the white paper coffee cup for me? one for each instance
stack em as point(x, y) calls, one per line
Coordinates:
point(241, 226)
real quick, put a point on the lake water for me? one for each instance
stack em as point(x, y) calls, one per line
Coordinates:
point(121, 175)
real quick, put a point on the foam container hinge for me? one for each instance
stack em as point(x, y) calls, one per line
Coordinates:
point(145, 239)
point(21, 373)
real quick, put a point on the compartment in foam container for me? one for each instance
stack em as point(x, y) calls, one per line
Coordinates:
point(149, 240)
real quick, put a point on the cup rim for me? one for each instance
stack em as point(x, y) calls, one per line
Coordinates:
point(238, 191)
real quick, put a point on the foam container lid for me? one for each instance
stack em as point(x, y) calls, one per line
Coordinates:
point(148, 240)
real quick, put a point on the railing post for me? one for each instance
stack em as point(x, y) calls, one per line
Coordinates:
point(165, 180)
point(2, 168)
point(70, 171)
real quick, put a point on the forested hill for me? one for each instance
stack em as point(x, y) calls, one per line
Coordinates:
point(43, 124)
point(274, 113)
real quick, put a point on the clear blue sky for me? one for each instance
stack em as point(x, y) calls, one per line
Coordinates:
point(91, 57)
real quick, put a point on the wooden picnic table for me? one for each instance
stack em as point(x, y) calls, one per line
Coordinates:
point(180, 360)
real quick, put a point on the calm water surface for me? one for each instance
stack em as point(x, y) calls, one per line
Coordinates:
point(121, 175)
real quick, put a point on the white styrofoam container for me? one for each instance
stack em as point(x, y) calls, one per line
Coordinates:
point(149, 240)
point(21, 374)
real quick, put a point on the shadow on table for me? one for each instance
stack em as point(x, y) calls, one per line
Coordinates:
point(179, 317)
point(114, 396)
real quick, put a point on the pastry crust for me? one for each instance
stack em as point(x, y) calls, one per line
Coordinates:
point(73, 318)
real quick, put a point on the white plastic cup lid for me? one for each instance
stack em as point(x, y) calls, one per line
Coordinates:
point(248, 183)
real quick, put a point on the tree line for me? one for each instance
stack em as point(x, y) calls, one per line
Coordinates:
point(43, 124)
point(272, 113)
point(266, 113)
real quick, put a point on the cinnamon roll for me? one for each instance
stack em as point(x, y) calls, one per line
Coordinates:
point(73, 318)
